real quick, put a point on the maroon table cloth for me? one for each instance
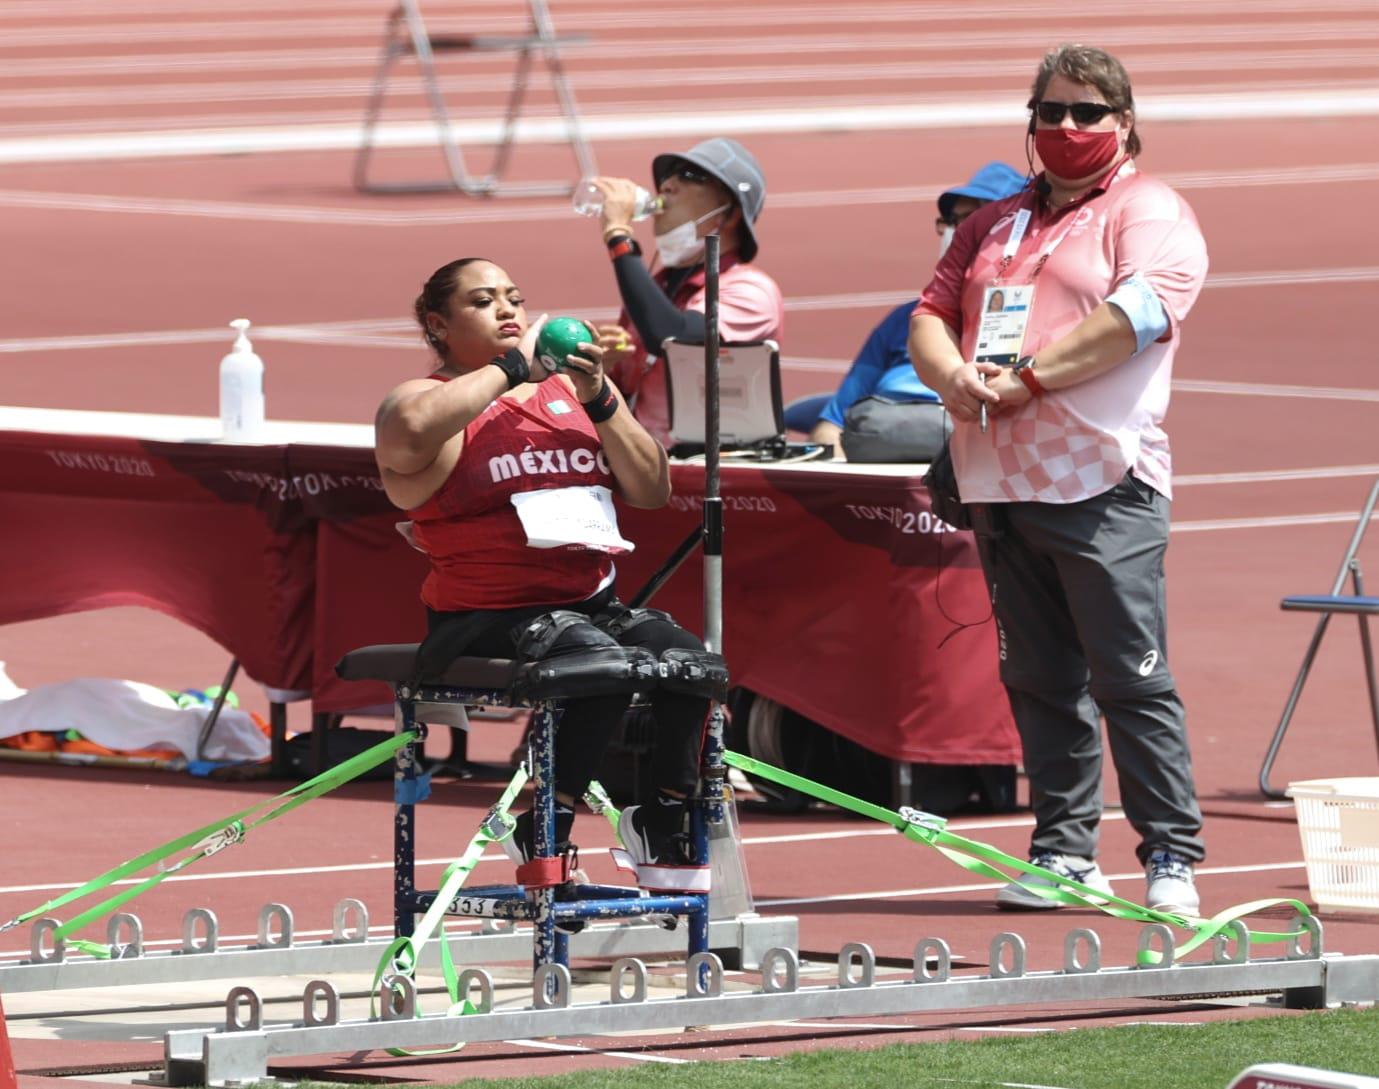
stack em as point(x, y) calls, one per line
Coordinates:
point(844, 598)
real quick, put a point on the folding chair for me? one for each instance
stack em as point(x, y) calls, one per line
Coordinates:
point(1356, 604)
point(407, 34)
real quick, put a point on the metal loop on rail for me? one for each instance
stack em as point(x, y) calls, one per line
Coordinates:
point(943, 960)
point(622, 968)
point(1076, 940)
point(1311, 928)
point(120, 924)
point(704, 976)
point(323, 991)
point(788, 964)
point(858, 956)
point(550, 987)
point(203, 920)
point(283, 914)
point(1232, 944)
point(465, 982)
point(1156, 934)
point(999, 944)
point(348, 910)
point(397, 998)
point(42, 930)
point(252, 1021)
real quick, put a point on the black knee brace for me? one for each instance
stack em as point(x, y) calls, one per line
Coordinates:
point(536, 638)
point(625, 621)
point(588, 663)
point(695, 673)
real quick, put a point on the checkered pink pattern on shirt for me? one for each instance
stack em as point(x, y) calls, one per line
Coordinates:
point(1077, 442)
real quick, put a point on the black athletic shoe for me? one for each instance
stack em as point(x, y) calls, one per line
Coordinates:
point(518, 846)
point(663, 858)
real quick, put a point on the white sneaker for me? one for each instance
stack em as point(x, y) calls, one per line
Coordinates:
point(1018, 897)
point(1171, 888)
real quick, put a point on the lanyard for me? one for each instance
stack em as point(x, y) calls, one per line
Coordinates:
point(1017, 235)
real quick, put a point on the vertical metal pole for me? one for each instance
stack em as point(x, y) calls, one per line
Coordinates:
point(404, 822)
point(713, 504)
point(712, 763)
point(543, 827)
point(710, 805)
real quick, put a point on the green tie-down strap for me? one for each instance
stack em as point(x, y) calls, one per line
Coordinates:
point(598, 801)
point(205, 841)
point(982, 859)
point(402, 956)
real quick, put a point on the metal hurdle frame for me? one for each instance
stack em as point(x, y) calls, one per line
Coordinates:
point(405, 34)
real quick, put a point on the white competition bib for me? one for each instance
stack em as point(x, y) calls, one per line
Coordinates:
point(580, 517)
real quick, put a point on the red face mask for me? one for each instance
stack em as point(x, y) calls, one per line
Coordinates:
point(1076, 153)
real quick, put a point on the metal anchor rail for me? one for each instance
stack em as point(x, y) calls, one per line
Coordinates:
point(244, 1050)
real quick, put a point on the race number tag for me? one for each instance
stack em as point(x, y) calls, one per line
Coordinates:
point(580, 517)
point(1005, 315)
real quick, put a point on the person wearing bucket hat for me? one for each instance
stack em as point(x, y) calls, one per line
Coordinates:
point(717, 185)
point(882, 370)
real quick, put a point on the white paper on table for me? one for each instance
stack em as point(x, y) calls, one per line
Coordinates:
point(571, 517)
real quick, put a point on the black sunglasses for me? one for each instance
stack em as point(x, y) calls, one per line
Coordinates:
point(1084, 113)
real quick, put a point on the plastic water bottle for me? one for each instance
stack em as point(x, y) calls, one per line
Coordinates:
point(241, 388)
point(588, 201)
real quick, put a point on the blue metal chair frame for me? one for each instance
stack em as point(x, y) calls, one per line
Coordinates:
point(1356, 604)
point(512, 901)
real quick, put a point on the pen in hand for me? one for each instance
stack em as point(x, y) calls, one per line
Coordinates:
point(981, 411)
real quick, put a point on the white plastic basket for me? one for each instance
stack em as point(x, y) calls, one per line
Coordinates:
point(1338, 820)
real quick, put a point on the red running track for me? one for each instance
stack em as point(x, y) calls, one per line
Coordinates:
point(125, 270)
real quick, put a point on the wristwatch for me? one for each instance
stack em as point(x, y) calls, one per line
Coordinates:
point(1023, 369)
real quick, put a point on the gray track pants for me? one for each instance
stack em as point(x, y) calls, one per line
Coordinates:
point(1078, 592)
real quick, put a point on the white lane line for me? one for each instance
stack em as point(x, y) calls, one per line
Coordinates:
point(936, 50)
point(552, 212)
point(631, 117)
point(1283, 521)
point(944, 890)
point(30, 10)
point(285, 28)
point(303, 91)
point(1264, 389)
point(374, 332)
point(551, 1045)
point(353, 867)
point(788, 116)
point(1271, 476)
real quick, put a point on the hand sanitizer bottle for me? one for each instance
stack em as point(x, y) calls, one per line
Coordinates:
point(241, 389)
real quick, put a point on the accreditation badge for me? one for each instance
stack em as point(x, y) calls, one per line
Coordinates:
point(1005, 316)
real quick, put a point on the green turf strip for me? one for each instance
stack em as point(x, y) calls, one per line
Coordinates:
point(1165, 1056)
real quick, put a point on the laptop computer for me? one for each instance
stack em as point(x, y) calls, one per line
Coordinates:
point(751, 412)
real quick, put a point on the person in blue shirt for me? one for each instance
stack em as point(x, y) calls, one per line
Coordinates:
point(883, 365)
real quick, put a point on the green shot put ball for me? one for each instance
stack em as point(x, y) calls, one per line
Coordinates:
point(560, 337)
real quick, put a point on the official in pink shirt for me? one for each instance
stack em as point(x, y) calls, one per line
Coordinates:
point(1058, 396)
point(715, 185)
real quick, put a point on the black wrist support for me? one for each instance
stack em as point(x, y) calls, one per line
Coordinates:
point(604, 404)
point(513, 364)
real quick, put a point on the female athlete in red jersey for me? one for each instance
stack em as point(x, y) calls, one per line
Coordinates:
point(506, 471)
